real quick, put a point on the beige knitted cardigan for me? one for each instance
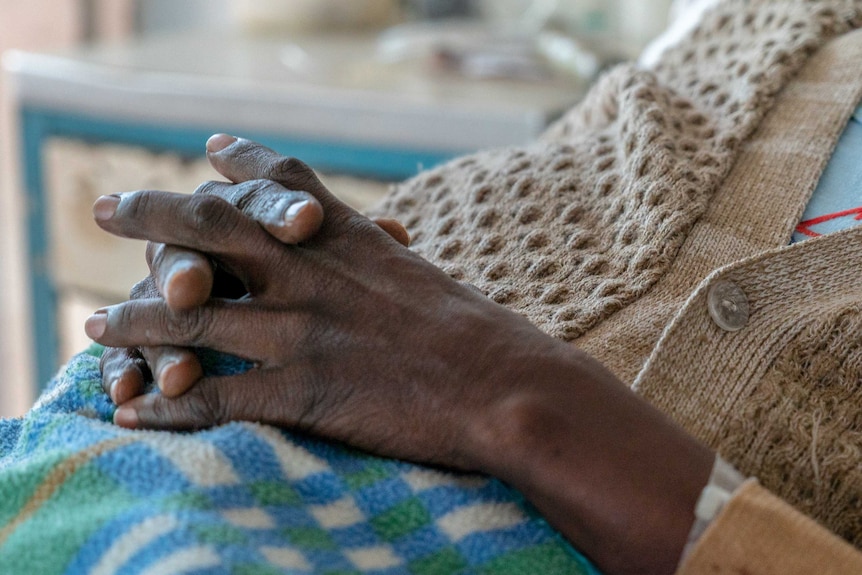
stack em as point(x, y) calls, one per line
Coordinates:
point(610, 231)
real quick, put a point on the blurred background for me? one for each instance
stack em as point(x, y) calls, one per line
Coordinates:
point(99, 96)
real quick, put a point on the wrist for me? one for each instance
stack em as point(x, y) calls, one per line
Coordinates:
point(614, 475)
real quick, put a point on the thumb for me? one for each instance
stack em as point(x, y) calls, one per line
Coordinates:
point(240, 160)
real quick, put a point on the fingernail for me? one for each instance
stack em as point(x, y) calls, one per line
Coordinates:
point(126, 417)
point(219, 142)
point(293, 222)
point(167, 374)
point(178, 267)
point(113, 389)
point(105, 207)
point(96, 324)
point(293, 210)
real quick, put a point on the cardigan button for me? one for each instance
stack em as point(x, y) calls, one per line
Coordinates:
point(728, 305)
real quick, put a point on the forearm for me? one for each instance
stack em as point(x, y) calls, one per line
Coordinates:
point(620, 483)
point(356, 339)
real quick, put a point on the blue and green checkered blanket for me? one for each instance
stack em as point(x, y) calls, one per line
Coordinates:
point(79, 495)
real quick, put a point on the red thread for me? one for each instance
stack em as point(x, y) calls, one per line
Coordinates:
point(804, 227)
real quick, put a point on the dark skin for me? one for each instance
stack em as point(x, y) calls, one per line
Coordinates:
point(357, 339)
point(185, 278)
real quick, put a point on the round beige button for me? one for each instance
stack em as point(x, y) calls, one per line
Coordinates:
point(728, 305)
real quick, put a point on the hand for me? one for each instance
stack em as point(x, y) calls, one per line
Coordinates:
point(357, 339)
point(185, 278)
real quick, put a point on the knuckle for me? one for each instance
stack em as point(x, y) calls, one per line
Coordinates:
point(265, 200)
point(234, 194)
point(268, 188)
point(292, 172)
point(190, 326)
point(208, 188)
point(206, 407)
point(135, 204)
point(125, 317)
point(188, 411)
point(246, 195)
point(212, 216)
point(161, 411)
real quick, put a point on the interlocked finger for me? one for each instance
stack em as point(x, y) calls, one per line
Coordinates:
point(184, 277)
point(222, 325)
point(242, 160)
point(124, 373)
point(290, 216)
point(273, 397)
point(174, 369)
point(203, 223)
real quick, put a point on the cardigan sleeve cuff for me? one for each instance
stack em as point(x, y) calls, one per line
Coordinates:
point(759, 534)
point(723, 483)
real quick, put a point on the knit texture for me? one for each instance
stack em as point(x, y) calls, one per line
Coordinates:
point(813, 432)
point(734, 544)
point(606, 232)
point(80, 495)
point(579, 225)
point(776, 398)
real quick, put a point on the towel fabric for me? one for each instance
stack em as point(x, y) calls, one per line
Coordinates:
point(80, 495)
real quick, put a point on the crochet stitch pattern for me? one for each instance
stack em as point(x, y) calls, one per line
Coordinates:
point(571, 229)
point(576, 230)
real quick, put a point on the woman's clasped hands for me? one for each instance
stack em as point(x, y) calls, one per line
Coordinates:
point(357, 339)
